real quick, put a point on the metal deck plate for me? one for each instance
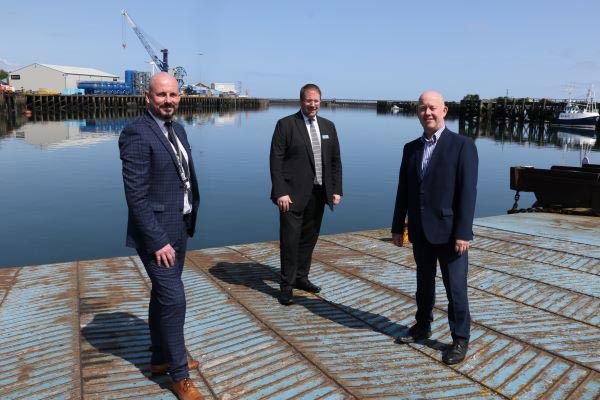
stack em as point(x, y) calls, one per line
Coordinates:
point(79, 330)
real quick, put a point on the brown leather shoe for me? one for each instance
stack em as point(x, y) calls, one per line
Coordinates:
point(161, 369)
point(185, 390)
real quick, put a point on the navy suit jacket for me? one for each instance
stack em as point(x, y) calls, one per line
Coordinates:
point(292, 161)
point(153, 186)
point(441, 204)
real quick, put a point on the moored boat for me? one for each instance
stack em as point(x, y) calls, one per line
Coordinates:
point(580, 115)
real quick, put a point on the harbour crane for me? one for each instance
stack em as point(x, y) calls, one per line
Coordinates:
point(162, 65)
point(179, 73)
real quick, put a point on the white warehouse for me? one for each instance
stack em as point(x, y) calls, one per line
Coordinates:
point(55, 78)
point(223, 87)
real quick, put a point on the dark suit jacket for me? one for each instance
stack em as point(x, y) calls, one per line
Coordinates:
point(293, 165)
point(153, 186)
point(441, 206)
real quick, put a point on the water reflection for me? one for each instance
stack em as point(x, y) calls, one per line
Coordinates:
point(530, 134)
point(584, 139)
point(60, 134)
point(51, 134)
point(222, 118)
point(68, 203)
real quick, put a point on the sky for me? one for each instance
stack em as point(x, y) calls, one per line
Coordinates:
point(372, 50)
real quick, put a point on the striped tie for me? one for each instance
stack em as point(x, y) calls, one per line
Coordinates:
point(316, 148)
point(429, 146)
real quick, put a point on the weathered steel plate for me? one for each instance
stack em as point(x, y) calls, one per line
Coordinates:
point(79, 330)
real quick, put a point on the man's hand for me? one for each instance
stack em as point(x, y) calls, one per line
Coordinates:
point(283, 203)
point(165, 255)
point(398, 239)
point(461, 246)
point(337, 199)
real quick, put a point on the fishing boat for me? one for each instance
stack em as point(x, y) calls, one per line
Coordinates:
point(579, 115)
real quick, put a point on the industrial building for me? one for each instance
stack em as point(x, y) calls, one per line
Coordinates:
point(55, 78)
point(224, 87)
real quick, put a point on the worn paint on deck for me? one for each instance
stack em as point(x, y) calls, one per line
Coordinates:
point(78, 330)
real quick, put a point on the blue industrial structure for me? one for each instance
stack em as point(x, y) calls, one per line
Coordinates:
point(136, 82)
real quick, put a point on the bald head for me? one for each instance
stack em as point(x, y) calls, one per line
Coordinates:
point(431, 96)
point(162, 97)
point(431, 111)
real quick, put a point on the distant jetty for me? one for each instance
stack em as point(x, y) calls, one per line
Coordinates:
point(470, 109)
point(46, 106)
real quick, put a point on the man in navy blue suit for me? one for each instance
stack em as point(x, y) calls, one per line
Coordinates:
point(162, 197)
point(437, 188)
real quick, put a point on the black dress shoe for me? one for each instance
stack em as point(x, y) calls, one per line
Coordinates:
point(414, 334)
point(286, 296)
point(456, 352)
point(307, 286)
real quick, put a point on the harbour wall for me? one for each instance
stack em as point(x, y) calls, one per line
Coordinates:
point(471, 108)
point(18, 103)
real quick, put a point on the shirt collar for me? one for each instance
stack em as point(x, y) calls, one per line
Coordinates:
point(307, 119)
point(159, 122)
point(435, 137)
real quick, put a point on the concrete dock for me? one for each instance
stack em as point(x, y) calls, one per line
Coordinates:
point(78, 330)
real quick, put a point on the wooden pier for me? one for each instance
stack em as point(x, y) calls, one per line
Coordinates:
point(78, 330)
point(511, 109)
point(56, 103)
point(471, 109)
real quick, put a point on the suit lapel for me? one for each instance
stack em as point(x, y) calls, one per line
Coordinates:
point(162, 138)
point(324, 144)
point(305, 134)
point(419, 158)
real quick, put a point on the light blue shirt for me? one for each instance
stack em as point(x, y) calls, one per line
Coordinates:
point(429, 146)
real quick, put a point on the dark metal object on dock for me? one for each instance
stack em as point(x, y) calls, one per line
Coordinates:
point(560, 187)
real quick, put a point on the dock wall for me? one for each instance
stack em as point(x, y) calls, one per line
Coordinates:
point(470, 108)
point(11, 103)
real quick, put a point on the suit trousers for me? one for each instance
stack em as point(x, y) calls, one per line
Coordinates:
point(454, 269)
point(166, 312)
point(298, 235)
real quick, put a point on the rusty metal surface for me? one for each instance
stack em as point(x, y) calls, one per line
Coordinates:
point(39, 343)
point(79, 330)
point(113, 308)
point(362, 360)
point(566, 228)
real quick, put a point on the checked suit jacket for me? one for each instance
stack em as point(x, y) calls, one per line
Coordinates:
point(154, 189)
point(292, 161)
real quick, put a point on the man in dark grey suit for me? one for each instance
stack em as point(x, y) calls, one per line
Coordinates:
point(437, 188)
point(162, 196)
point(306, 174)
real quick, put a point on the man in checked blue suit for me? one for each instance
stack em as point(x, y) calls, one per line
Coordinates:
point(162, 196)
point(437, 189)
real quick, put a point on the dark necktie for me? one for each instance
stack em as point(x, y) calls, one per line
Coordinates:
point(316, 148)
point(183, 164)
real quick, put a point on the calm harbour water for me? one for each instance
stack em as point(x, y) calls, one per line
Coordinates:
point(62, 192)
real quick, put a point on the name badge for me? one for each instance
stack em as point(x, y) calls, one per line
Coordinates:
point(325, 137)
